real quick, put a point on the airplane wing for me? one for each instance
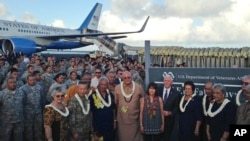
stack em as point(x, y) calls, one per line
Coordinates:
point(93, 34)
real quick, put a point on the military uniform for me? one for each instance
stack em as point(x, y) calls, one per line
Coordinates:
point(47, 80)
point(11, 116)
point(70, 83)
point(78, 121)
point(33, 112)
point(24, 76)
point(38, 68)
point(19, 83)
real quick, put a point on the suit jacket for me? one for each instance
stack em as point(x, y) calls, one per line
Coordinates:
point(117, 81)
point(172, 103)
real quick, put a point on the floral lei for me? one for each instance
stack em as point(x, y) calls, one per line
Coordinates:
point(204, 104)
point(90, 92)
point(152, 109)
point(182, 100)
point(85, 111)
point(212, 114)
point(238, 97)
point(58, 110)
point(128, 95)
point(99, 101)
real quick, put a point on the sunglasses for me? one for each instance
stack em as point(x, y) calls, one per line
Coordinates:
point(245, 83)
point(58, 96)
point(97, 72)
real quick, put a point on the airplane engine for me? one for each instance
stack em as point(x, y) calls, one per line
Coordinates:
point(25, 46)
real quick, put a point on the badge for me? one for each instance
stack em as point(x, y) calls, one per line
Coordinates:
point(124, 109)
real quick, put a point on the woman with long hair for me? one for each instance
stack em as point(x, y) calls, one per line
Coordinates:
point(151, 114)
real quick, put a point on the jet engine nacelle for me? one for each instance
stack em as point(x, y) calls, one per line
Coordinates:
point(25, 46)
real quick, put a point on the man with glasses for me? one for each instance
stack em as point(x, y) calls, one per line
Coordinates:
point(95, 81)
point(241, 95)
point(127, 98)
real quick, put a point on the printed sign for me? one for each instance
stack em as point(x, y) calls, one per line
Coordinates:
point(229, 77)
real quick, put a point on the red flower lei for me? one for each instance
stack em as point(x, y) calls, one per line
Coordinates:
point(152, 108)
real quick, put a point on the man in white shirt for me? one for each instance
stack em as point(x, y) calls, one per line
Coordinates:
point(95, 81)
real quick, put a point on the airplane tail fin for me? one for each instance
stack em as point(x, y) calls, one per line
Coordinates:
point(92, 20)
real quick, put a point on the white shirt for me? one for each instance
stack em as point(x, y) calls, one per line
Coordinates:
point(94, 82)
point(164, 93)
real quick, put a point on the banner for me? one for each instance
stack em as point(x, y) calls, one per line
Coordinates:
point(229, 77)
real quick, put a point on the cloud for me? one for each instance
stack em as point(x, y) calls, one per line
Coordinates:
point(58, 23)
point(194, 8)
point(29, 18)
point(129, 8)
point(3, 11)
point(178, 21)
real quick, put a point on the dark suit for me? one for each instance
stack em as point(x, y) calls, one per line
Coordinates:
point(172, 105)
point(117, 81)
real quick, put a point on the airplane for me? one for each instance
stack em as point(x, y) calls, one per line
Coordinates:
point(29, 38)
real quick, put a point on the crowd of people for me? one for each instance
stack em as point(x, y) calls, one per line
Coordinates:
point(106, 99)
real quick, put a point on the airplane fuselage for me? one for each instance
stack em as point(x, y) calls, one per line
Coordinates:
point(32, 31)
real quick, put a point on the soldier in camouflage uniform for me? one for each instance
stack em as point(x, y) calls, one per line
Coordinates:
point(38, 78)
point(47, 78)
point(29, 71)
point(38, 66)
point(4, 66)
point(13, 73)
point(11, 113)
point(72, 79)
point(33, 109)
point(59, 81)
point(79, 118)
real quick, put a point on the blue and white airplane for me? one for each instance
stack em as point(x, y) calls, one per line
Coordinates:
point(31, 38)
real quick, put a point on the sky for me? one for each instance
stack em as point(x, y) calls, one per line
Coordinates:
point(187, 23)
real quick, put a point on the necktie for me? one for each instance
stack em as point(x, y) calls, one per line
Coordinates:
point(166, 96)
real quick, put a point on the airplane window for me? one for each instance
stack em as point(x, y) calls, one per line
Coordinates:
point(0, 28)
point(7, 29)
point(3, 28)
